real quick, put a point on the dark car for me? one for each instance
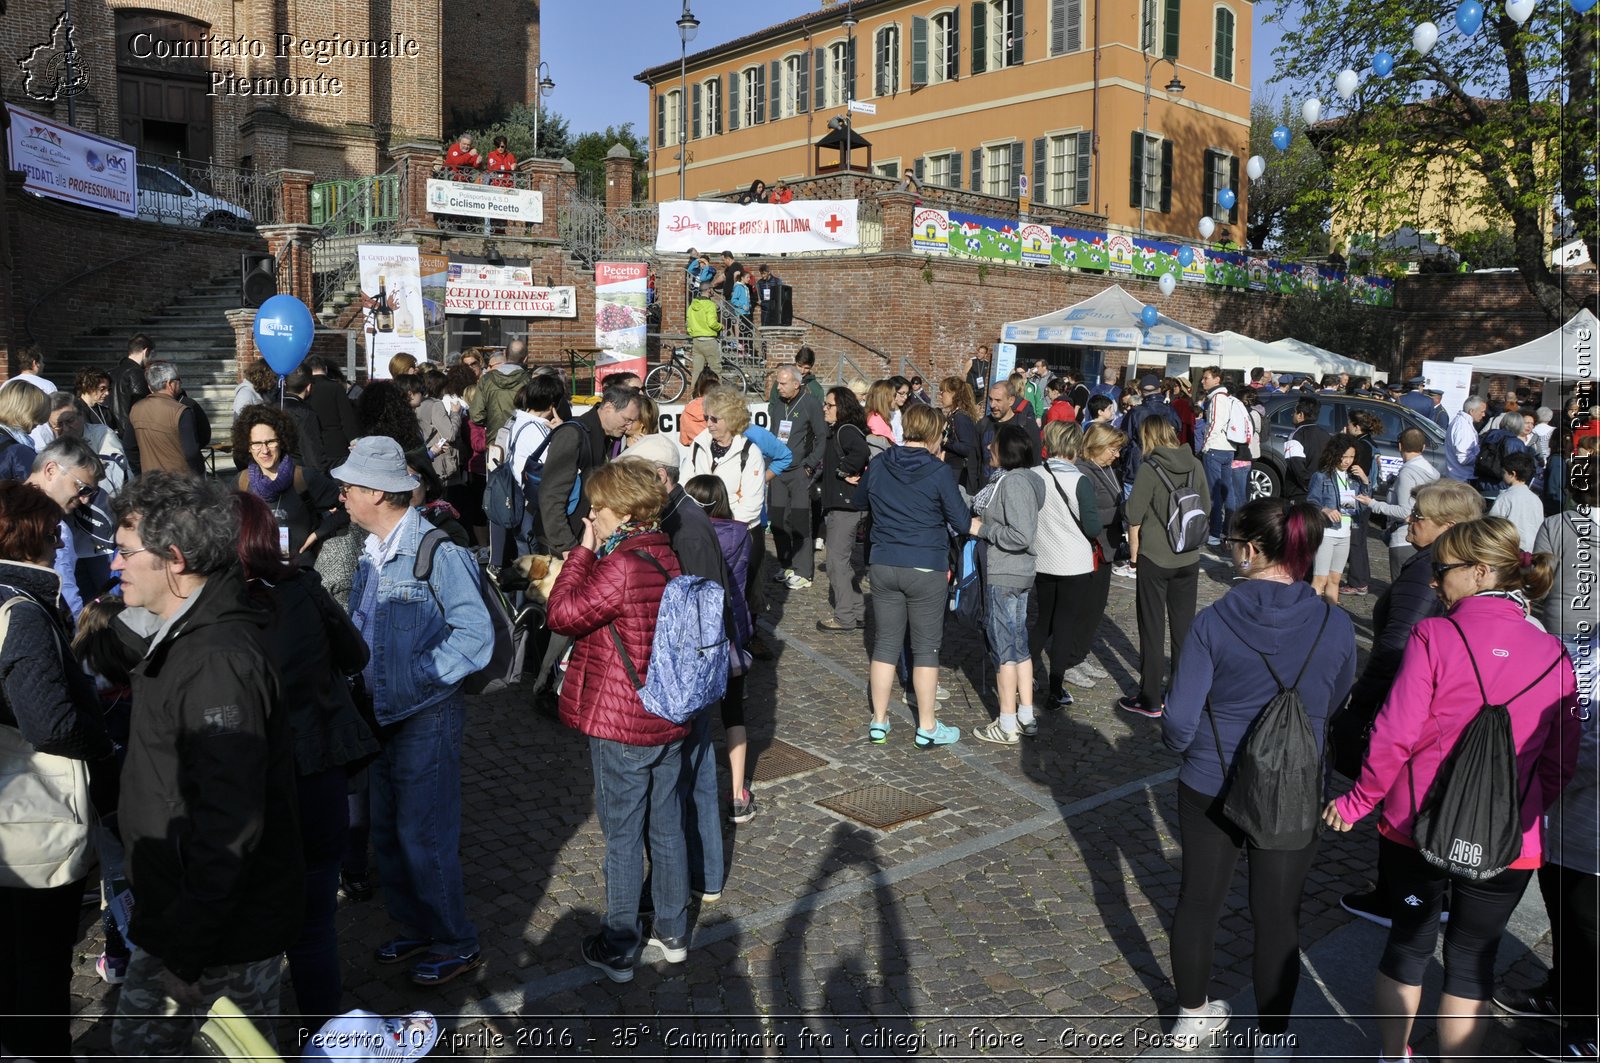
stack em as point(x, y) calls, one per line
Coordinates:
point(1266, 475)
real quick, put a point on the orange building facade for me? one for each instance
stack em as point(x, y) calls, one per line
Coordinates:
point(977, 96)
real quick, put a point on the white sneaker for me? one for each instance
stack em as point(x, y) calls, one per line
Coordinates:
point(819, 544)
point(993, 732)
point(1125, 571)
point(1192, 1031)
point(941, 693)
point(782, 575)
point(797, 582)
point(1092, 668)
point(1078, 676)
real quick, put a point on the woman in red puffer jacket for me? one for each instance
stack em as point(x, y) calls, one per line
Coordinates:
point(609, 589)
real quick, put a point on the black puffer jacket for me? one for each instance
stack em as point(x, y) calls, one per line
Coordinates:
point(43, 692)
point(128, 386)
point(208, 807)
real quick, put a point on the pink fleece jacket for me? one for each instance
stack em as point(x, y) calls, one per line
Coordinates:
point(1435, 696)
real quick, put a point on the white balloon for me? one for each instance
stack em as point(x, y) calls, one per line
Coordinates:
point(1426, 35)
point(1519, 10)
point(1168, 283)
point(1255, 167)
point(1346, 83)
point(1311, 110)
point(1207, 227)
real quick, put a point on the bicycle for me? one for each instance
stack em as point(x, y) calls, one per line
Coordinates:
point(670, 381)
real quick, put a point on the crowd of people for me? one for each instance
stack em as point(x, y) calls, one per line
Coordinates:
point(259, 677)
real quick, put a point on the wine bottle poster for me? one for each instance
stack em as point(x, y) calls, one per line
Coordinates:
point(394, 318)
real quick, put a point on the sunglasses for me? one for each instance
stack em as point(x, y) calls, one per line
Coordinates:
point(85, 491)
point(712, 418)
point(1441, 567)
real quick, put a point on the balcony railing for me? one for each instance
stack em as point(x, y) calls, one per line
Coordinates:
point(358, 205)
point(206, 195)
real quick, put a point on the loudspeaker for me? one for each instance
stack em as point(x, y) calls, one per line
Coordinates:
point(258, 279)
point(785, 304)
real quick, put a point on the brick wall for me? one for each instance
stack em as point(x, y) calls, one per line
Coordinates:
point(1453, 315)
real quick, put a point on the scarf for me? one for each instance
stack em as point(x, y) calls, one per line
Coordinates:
point(1518, 597)
point(268, 488)
point(626, 530)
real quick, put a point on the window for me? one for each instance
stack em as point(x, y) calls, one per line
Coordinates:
point(787, 88)
point(997, 34)
point(997, 170)
point(838, 70)
point(1150, 175)
point(935, 48)
point(1222, 55)
point(1159, 19)
point(944, 170)
point(1221, 171)
point(708, 108)
point(674, 112)
point(755, 91)
point(1063, 181)
point(887, 169)
point(1066, 26)
point(886, 62)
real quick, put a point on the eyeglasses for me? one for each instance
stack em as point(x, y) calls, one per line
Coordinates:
point(712, 418)
point(1441, 567)
point(830, 405)
point(264, 444)
point(124, 553)
point(85, 491)
point(1234, 540)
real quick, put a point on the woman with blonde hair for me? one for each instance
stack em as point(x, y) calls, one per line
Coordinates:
point(880, 412)
point(723, 451)
point(23, 408)
point(1446, 679)
point(963, 447)
point(1074, 577)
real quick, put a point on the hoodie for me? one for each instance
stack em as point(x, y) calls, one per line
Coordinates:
point(914, 502)
point(1221, 664)
point(1147, 506)
point(1011, 528)
point(495, 401)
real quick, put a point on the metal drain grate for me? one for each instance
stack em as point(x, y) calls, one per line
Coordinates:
point(881, 806)
point(781, 760)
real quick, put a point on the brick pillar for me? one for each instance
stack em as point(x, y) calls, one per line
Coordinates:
point(897, 209)
point(782, 342)
point(294, 196)
point(416, 161)
point(619, 179)
point(244, 337)
point(294, 266)
point(544, 176)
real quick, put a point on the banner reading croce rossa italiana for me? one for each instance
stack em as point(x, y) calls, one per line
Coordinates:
point(758, 228)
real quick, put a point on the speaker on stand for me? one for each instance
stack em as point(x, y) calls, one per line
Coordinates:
point(258, 280)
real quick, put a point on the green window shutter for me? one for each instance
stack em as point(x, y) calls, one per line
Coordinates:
point(716, 112)
point(1016, 168)
point(977, 169)
point(1208, 194)
point(775, 101)
point(953, 70)
point(696, 97)
point(919, 50)
point(802, 85)
point(819, 83)
point(1222, 56)
point(1074, 24)
point(980, 37)
point(661, 119)
point(758, 95)
point(955, 169)
point(1040, 191)
point(1058, 27)
point(1166, 177)
point(919, 169)
point(1136, 171)
point(1085, 158)
point(850, 70)
point(1169, 46)
point(733, 100)
point(1016, 34)
point(1233, 183)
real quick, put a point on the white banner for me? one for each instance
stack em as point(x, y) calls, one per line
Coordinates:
point(758, 228)
point(395, 321)
point(485, 201)
point(66, 163)
point(504, 291)
point(1454, 379)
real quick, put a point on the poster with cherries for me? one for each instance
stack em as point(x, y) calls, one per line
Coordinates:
point(619, 319)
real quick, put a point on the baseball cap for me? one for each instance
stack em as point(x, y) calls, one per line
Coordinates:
point(1149, 382)
point(658, 449)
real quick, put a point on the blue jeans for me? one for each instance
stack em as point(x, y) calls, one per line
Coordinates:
point(416, 826)
point(702, 813)
point(1219, 479)
point(635, 786)
point(314, 957)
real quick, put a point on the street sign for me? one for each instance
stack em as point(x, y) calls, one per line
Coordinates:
point(862, 108)
point(1022, 184)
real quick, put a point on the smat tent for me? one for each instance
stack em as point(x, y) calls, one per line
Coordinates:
point(1568, 353)
point(1109, 319)
point(1298, 356)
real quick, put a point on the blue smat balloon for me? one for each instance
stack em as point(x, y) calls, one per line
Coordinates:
point(1382, 64)
point(1582, 6)
point(1469, 16)
point(1226, 198)
point(1149, 315)
point(1281, 137)
point(1185, 257)
point(283, 329)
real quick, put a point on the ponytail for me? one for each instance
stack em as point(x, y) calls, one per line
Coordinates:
point(1302, 537)
point(1288, 533)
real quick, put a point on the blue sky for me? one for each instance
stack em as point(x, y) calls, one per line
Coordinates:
point(593, 63)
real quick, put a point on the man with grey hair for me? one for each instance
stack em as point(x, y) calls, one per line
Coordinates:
point(796, 416)
point(164, 431)
point(208, 809)
point(1500, 441)
point(67, 470)
point(1542, 431)
point(1461, 443)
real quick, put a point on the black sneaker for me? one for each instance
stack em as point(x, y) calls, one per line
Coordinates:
point(1062, 699)
point(1528, 1003)
point(673, 950)
point(616, 967)
point(355, 888)
point(744, 808)
point(1368, 905)
point(1135, 704)
point(1570, 1048)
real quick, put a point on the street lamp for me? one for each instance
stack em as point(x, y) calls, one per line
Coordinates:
point(849, 24)
point(546, 87)
point(1174, 88)
point(688, 26)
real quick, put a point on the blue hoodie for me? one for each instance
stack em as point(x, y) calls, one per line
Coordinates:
point(914, 502)
point(1281, 621)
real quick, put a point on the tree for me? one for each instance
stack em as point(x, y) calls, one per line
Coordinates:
point(1328, 318)
point(515, 123)
point(1288, 203)
point(1486, 248)
point(588, 155)
point(1509, 109)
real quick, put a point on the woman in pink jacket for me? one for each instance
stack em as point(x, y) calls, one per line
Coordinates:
point(1485, 581)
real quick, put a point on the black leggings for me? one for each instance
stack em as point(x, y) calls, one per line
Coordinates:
point(1573, 900)
point(1070, 609)
point(1479, 912)
point(1211, 846)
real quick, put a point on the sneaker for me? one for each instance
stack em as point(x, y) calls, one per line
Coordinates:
point(797, 582)
point(673, 950)
point(439, 968)
point(703, 896)
point(941, 735)
point(399, 950)
point(355, 888)
point(1126, 571)
point(782, 575)
point(1136, 704)
point(1353, 589)
point(744, 809)
point(878, 733)
point(829, 625)
point(595, 954)
point(1571, 1048)
point(1368, 905)
point(1062, 699)
point(1078, 676)
point(1528, 1004)
point(941, 693)
point(1092, 669)
point(996, 734)
point(818, 544)
point(1191, 1031)
point(1029, 729)
point(1213, 540)
point(113, 970)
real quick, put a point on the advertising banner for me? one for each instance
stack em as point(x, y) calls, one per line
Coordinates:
point(620, 321)
point(395, 320)
point(504, 291)
point(972, 236)
point(1037, 245)
point(930, 231)
point(1454, 379)
point(66, 163)
point(485, 201)
point(757, 228)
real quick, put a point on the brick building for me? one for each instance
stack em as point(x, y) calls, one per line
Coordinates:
point(976, 95)
point(320, 85)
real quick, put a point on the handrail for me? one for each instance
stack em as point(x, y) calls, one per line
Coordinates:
point(844, 336)
point(27, 318)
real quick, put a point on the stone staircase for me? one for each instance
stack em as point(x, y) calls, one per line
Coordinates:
point(191, 331)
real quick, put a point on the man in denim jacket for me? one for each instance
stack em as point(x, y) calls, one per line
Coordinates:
point(426, 636)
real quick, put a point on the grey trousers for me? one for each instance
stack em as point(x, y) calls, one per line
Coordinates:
point(839, 536)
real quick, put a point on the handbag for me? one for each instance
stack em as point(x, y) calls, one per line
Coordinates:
point(47, 814)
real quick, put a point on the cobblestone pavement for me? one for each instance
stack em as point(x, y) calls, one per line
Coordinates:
point(1026, 918)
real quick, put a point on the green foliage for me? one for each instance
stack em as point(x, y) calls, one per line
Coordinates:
point(515, 123)
point(1486, 248)
point(1289, 204)
point(588, 155)
point(1328, 318)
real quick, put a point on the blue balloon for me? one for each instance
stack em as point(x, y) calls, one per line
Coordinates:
point(283, 331)
point(1383, 63)
point(1226, 198)
point(1582, 6)
point(1469, 16)
point(1281, 138)
point(1185, 257)
point(1149, 315)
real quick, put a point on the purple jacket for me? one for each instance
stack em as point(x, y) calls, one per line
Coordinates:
point(734, 538)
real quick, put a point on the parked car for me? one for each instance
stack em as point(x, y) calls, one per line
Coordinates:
point(167, 198)
point(1266, 475)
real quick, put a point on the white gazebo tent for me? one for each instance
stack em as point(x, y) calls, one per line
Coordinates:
point(1309, 358)
point(1110, 318)
point(1239, 353)
point(1566, 354)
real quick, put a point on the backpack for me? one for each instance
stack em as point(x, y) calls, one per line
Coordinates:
point(691, 648)
point(1490, 467)
point(1274, 790)
point(968, 577)
point(510, 636)
point(1187, 519)
point(1238, 427)
point(504, 502)
point(1469, 824)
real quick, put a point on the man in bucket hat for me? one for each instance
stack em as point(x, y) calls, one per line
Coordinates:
point(428, 629)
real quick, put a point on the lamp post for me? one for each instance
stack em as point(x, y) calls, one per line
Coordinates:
point(849, 25)
point(1174, 88)
point(688, 26)
point(546, 87)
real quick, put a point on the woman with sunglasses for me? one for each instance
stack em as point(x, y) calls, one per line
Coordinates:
point(1482, 651)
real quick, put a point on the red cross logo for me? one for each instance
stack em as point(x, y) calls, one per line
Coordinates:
point(833, 223)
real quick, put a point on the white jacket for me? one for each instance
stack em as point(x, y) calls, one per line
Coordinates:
point(742, 470)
